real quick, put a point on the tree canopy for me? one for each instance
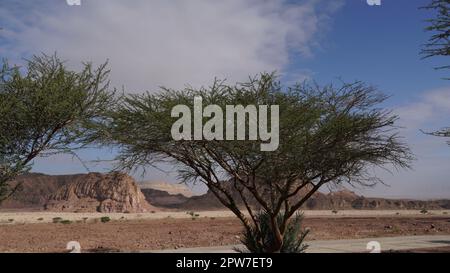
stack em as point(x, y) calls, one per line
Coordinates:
point(327, 135)
point(439, 43)
point(45, 108)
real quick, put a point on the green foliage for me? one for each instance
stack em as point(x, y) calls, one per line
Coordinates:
point(57, 220)
point(332, 133)
point(438, 44)
point(259, 241)
point(66, 222)
point(105, 219)
point(328, 135)
point(441, 133)
point(46, 108)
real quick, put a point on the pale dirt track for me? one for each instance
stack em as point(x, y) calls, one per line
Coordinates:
point(157, 231)
point(47, 217)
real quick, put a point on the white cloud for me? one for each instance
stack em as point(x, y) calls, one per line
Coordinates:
point(170, 43)
point(427, 111)
point(165, 42)
point(429, 175)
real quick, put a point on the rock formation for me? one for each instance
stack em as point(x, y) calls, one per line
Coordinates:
point(164, 199)
point(171, 189)
point(114, 192)
point(117, 192)
point(338, 200)
point(94, 192)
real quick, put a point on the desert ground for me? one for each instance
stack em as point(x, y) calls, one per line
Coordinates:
point(50, 232)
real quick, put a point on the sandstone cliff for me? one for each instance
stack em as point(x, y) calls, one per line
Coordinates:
point(35, 189)
point(114, 192)
point(171, 189)
point(164, 199)
point(92, 192)
point(118, 192)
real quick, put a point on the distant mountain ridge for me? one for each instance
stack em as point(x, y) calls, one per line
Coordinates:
point(172, 189)
point(339, 200)
point(117, 192)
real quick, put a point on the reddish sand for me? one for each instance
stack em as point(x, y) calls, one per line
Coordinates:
point(135, 235)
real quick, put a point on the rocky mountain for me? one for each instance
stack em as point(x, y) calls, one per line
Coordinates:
point(338, 200)
point(35, 189)
point(117, 192)
point(171, 189)
point(114, 192)
point(164, 199)
point(94, 192)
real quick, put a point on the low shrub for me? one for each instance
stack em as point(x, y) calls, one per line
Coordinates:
point(57, 220)
point(105, 219)
point(258, 242)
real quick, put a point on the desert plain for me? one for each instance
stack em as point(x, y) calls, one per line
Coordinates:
point(43, 231)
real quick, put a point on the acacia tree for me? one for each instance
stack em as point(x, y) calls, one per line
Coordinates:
point(327, 135)
point(439, 43)
point(45, 109)
point(445, 132)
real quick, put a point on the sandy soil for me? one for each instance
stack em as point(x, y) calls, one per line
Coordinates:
point(169, 233)
point(19, 217)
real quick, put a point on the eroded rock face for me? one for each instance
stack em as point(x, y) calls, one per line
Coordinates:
point(114, 192)
point(35, 189)
point(339, 200)
point(172, 189)
point(164, 199)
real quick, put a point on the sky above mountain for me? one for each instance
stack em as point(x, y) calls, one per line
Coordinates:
point(173, 43)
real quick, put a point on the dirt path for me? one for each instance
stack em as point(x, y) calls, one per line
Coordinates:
point(21, 217)
point(169, 233)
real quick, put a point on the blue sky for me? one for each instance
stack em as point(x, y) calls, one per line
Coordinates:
point(172, 43)
point(380, 45)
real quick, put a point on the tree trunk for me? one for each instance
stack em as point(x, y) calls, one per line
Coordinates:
point(277, 244)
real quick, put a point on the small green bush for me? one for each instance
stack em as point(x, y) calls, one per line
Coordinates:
point(40, 219)
point(10, 220)
point(66, 222)
point(424, 211)
point(105, 219)
point(191, 213)
point(292, 240)
point(57, 220)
